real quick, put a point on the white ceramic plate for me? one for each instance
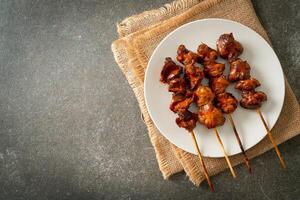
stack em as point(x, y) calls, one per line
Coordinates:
point(265, 66)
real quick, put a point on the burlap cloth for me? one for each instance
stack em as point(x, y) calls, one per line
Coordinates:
point(140, 34)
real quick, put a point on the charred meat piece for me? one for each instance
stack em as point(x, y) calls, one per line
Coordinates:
point(228, 47)
point(187, 120)
point(186, 56)
point(181, 102)
point(210, 116)
point(226, 102)
point(218, 85)
point(203, 95)
point(206, 53)
point(181, 52)
point(252, 99)
point(190, 57)
point(170, 71)
point(214, 69)
point(248, 84)
point(177, 85)
point(239, 70)
point(194, 75)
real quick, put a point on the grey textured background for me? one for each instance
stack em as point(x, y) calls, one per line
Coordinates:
point(70, 126)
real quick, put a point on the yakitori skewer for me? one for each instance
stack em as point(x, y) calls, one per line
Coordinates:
point(188, 121)
point(230, 49)
point(211, 116)
point(208, 114)
point(202, 163)
point(252, 99)
point(181, 101)
point(218, 83)
point(228, 103)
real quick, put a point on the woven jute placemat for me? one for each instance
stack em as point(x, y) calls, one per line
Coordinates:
point(140, 34)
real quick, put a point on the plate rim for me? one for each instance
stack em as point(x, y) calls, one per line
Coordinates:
point(222, 20)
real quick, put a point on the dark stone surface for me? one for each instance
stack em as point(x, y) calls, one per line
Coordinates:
point(70, 125)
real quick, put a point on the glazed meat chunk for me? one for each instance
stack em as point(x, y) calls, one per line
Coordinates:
point(177, 85)
point(210, 116)
point(187, 120)
point(218, 85)
point(203, 95)
point(239, 70)
point(194, 75)
point(248, 84)
point(252, 99)
point(214, 69)
point(186, 56)
point(228, 47)
point(181, 102)
point(206, 54)
point(181, 53)
point(170, 71)
point(226, 102)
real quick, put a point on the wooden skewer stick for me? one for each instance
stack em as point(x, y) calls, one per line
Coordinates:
point(202, 163)
point(225, 154)
point(246, 160)
point(272, 139)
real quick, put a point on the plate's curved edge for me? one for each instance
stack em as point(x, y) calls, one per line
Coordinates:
point(213, 19)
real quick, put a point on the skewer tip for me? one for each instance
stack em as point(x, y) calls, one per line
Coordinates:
point(211, 187)
point(246, 160)
point(225, 154)
point(282, 163)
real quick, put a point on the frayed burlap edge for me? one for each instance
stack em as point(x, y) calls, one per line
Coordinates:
point(146, 19)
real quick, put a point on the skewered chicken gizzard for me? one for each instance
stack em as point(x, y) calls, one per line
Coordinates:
point(204, 95)
point(252, 99)
point(183, 97)
point(186, 56)
point(177, 85)
point(228, 47)
point(193, 75)
point(206, 54)
point(170, 71)
point(187, 120)
point(239, 70)
point(219, 84)
point(214, 69)
point(248, 84)
point(210, 116)
point(181, 102)
point(226, 102)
